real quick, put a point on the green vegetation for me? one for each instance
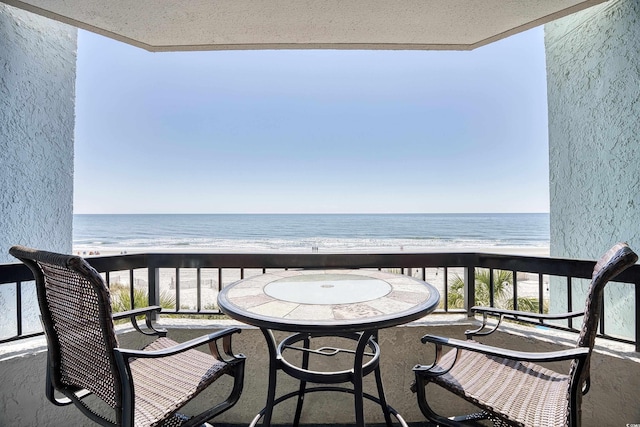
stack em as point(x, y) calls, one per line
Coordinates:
point(121, 298)
point(121, 301)
point(502, 291)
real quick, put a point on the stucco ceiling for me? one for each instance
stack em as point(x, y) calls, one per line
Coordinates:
point(170, 25)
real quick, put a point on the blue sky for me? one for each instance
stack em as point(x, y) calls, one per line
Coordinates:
point(318, 131)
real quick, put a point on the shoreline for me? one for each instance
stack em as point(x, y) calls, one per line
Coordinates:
point(535, 251)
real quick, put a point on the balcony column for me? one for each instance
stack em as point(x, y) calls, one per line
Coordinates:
point(593, 86)
point(593, 81)
point(37, 118)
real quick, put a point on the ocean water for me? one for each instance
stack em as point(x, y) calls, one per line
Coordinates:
point(287, 233)
point(306, 232)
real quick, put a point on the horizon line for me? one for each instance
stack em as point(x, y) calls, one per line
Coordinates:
point(308, 213)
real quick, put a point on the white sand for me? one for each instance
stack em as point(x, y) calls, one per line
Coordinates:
point(527, 283)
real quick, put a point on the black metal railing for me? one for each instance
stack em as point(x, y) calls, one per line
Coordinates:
point(192, 281)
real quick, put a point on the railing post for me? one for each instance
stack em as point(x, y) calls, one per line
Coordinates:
point(469, 288)
point(198, 290)
point(19, 308)
point(153, 276)
point(636, 338)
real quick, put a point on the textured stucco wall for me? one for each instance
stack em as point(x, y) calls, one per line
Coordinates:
point(611, 401)
point(593, 75)
point(37, 107)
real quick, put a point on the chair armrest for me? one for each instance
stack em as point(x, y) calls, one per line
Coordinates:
point(548, 356)
point(136, 312)
point(148, 313)
point(515, 313)
point(224, 334)
point(501, 313)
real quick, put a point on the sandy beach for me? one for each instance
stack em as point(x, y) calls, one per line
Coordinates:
point(209, 277)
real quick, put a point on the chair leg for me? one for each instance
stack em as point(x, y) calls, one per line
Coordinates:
point(465, 420)
point(238, 383)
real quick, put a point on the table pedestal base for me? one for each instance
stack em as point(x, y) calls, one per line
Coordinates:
point(277, 361)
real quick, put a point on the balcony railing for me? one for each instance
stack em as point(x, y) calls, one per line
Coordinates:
point(190, 282)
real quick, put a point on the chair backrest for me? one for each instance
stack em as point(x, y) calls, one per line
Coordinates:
point(75, 308)
point(616, 260)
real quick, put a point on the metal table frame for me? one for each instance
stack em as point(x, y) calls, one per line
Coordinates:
point(363, 331)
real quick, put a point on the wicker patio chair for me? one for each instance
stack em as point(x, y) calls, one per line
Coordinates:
point(137, 387)
point(507, 386)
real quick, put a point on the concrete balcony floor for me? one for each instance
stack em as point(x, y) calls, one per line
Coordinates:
point(615, 371)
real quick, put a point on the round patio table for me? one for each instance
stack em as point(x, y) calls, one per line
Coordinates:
point(349, 305)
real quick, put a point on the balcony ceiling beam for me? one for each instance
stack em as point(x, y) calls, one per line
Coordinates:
point(177, 25)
